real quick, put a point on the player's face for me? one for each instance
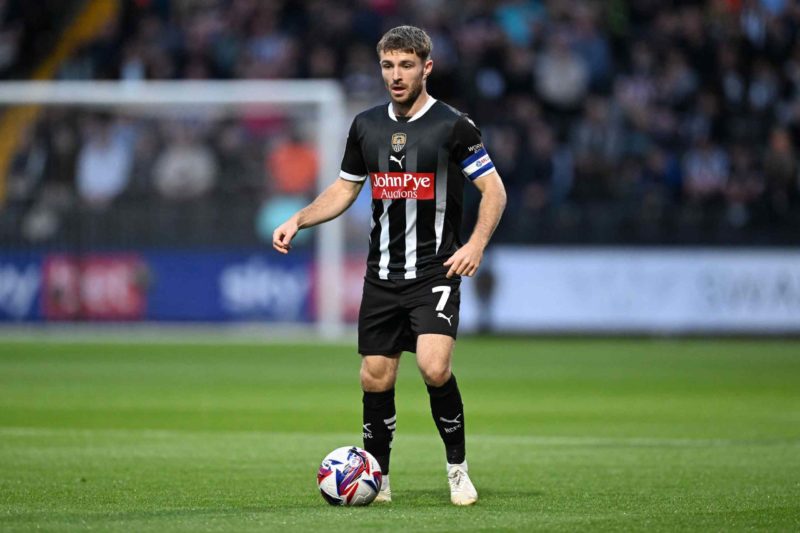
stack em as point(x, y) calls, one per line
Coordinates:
point(404, 75)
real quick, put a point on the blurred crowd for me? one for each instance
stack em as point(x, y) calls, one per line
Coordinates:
point(646, 121)
point(148, 176)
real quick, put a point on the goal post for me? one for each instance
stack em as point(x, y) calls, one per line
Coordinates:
point(326, 97)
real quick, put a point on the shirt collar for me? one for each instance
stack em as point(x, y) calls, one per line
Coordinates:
point(415, 116)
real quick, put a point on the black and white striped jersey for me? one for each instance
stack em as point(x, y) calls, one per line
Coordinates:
point(417, 169)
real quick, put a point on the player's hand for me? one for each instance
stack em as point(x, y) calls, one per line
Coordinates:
point(465, 261)
point(283, 235)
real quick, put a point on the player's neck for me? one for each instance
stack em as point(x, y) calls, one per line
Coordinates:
point(408, 111)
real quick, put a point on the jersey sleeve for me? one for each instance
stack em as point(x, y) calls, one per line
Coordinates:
point(468, 149)
point(353, 167)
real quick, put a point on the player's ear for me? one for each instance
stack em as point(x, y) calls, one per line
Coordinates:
point(426, 68)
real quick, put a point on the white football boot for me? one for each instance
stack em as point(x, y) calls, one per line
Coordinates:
point(385, 494)
point(462, 491)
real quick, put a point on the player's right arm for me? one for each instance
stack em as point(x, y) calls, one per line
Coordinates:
point(334, 200)
point(331, 203)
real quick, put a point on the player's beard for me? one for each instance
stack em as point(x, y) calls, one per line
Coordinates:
point(414, 90)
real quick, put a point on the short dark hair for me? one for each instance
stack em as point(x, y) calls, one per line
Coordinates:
point(406, 39)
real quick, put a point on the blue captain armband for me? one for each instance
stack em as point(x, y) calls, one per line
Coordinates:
point(477, 165)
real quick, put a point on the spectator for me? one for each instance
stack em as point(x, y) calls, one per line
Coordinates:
point(543, 170)
point(703, 119)
point(593, 46)
point(239, 170)
point(9, 41)
point(359, 77)
point(292, 167)
point(781, 173)
point(705, 172)
point(635, 90)
point(764, 86)
point(186, 169)
point(519, 19)
point(562, 76)
point(597, 142)
point(678, 82)
point(27, 169)
point(744, 188)
point(271, 52)
point(146, 149)
point(661, 178)
point(518, 72)
point(63, 146)
point(104, 162)
point(321, 62)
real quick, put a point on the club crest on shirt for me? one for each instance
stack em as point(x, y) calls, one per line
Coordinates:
point(398, 141)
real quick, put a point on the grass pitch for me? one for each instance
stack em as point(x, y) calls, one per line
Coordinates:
point(562, 435)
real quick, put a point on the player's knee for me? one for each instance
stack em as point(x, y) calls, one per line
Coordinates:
point(375, 379)
point(436, 375)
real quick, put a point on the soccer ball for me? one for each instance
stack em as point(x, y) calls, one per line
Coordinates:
point(349, 476)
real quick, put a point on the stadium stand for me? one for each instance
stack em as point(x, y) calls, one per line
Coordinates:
point(644, 122)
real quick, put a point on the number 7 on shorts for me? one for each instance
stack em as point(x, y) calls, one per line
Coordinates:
point(445, 290)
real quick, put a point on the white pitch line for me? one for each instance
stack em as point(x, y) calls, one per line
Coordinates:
point(167, 333)
point(535, 440)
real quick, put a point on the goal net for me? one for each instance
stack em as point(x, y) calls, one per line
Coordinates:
point(155, 201)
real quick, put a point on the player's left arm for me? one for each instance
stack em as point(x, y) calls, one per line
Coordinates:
point(466, 260)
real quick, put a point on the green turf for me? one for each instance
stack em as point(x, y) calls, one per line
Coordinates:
point(649, 435)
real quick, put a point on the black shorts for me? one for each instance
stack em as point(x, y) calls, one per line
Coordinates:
point(395, 312)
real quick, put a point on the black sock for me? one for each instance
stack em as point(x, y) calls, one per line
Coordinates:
point(448, 414)
point(379, 425)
